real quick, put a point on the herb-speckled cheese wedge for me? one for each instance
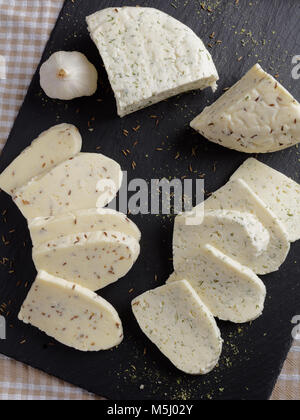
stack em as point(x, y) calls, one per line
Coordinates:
point(149, 56)
point(257, 115)
point(280, 193)
point(175, 319)
point(92, 260)
point(88, 180)
point(237, 195)
point(52, 147)
point(93, 220)
point(71, 314)
point(231, 291)
point(239, 235)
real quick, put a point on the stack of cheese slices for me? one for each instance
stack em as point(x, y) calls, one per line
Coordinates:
point(242, 230)
point(78, 246)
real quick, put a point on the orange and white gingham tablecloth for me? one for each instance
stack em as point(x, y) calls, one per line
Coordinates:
point(25, 26)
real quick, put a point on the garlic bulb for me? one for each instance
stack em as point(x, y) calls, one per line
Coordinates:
point(68, 75)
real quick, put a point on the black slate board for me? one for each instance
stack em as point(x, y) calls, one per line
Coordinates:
point(253, 354)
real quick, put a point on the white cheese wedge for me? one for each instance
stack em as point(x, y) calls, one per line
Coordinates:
point(239, 235)
point(237, 195)
point(231, 291)
point(175, 319)
point(71, 314)
point(88, 180)
point(52, 147)
point(92, 260)
point(45, 229)
point(257, 115)
point(280, 193)
point(149, 56)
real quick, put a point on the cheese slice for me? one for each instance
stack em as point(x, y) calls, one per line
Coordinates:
point(237, 195)
point(52, 147)
point(149, 56)
point(175, 319)
point(92, 260)
point(71, 314)
point(45, 229)
point(257, 115)
point(88, 180)
point(239, 235)
point(231, 291)
point(280, 193)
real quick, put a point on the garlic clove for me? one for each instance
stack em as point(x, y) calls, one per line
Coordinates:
point(68, 75)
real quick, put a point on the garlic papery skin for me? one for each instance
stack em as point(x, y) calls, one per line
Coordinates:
point(68, 75)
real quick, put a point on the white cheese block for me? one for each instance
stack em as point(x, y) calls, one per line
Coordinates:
point(231, 291)
point(149, 56)
point(175, 319)
point(237, 195)
point(92, 260)
point(45, 229)
point(71, 314)
point(257, 115)
point(52, 147)
point(88, 180)
point(239, 235)
point(280, 193)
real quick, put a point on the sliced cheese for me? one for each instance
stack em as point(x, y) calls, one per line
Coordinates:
point(257, 115)
point(280, 193)
point(239, 235)
point(231, 291)
point(71, 314)
point(237, 195)
point(174, 318)
point(86, 181)
point(149, 56)
point(45, 229)
point(92, 260)
point(52, 147)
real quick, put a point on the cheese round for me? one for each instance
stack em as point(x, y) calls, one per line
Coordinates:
point(45, 229)
point(73, 315)
point(175, 319)
point(52, 147)
point(231, 291)
point(257, 115)
point(92, 260)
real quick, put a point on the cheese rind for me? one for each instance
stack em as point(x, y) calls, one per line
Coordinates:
point(52, 147)
point(280, 193)
point(257, 115)
point(239, 235)
point(237, 195)
point(231, 291)
point(175, 319)
point(86, 181)
point(92, 260)
point(149, 56)
point(73, 315)
point(93, 220)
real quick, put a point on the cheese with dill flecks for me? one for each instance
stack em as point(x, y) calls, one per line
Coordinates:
point(239, 235)
point(175, 319)
point(88, 180)
point(149, 56)
point(280, 193)
point(52, 147)
point(257, 115)
point(73, 315)
point(231, 291)
point(45, 229)
point(92, 260)
point(237, 195)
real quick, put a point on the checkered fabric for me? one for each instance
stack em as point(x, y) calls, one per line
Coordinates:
point(24, 29)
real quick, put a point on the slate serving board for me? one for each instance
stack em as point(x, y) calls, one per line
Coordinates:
point(264, 31)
